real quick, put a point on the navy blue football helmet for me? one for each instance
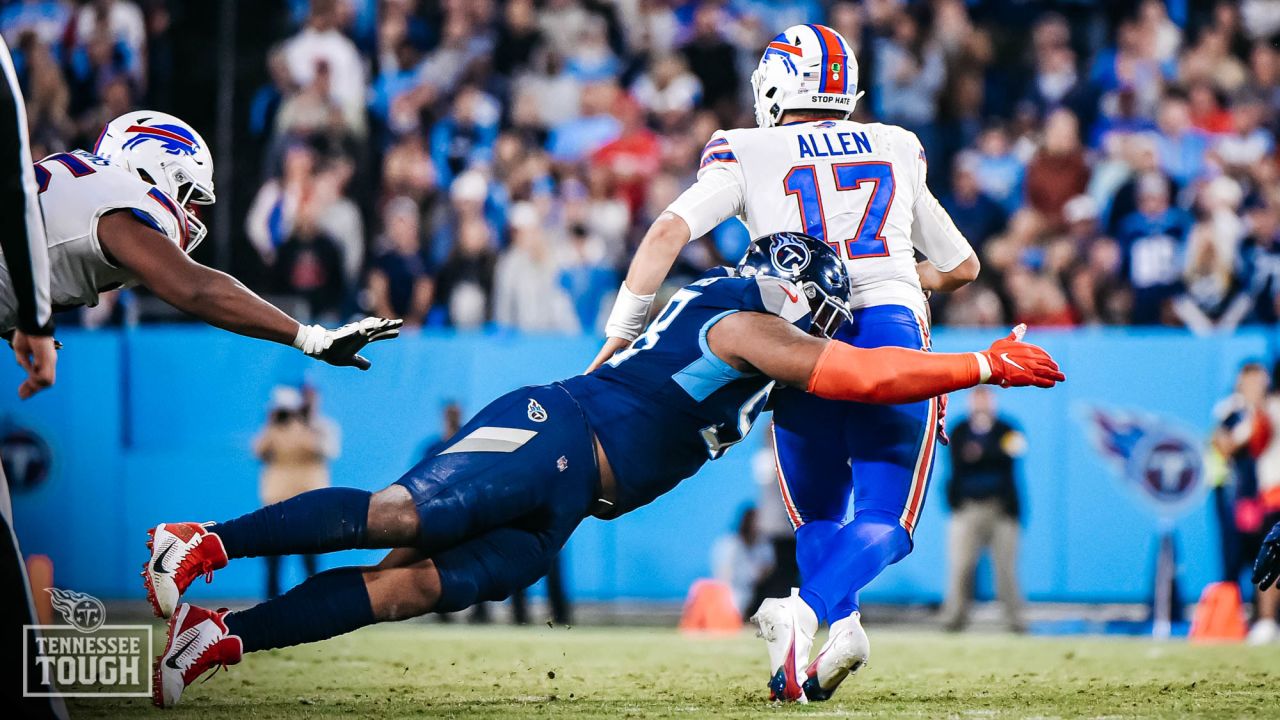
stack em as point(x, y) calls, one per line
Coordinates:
point(813, 266)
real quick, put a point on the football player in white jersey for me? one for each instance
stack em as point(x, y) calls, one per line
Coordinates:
point(861, 188)
point(120, 216)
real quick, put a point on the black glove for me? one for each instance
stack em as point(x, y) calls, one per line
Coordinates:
point(1266, 569)
point(340, 347)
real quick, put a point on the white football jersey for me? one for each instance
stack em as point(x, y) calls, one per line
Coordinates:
point(76, 189)
point(859, 187)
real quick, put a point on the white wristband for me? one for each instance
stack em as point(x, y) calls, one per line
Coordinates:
point(629, 313)
point(310, 339)
point(984, 367)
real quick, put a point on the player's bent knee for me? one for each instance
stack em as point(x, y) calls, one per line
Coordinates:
point(393, 516)
point(399, 593)
point(886, 532)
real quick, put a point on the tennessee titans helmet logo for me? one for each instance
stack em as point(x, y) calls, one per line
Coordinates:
point(789, 255)
point(174, 139)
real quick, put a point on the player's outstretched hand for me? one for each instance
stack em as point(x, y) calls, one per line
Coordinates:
point(611, 346)
point(1266, 569)
point(341, 347)
point(38, 355)
point(1018, 364)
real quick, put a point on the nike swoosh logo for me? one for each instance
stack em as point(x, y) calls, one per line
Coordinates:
point(174, 655)
point(1003, 356)
point(794, 297)
point(158, 565)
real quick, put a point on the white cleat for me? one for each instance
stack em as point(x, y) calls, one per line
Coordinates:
point(180, 553)
point(197, 642)
point(787, 626)
point(1263, 632)
point(846, 651)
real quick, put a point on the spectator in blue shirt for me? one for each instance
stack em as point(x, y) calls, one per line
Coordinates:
point(1182, 148)
point(999, 171)
point(466, 136)
point(400, 282)
point(976, 215)
point(1154, 242)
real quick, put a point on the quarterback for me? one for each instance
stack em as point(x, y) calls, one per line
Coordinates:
point(861, 189)
point(120, 216)
point(484, 516)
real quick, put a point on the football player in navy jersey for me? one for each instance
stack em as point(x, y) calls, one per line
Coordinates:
point(484, 515)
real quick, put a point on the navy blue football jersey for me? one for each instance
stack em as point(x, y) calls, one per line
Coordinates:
point(666, 404)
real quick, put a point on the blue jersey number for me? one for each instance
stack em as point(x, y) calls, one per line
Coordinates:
point(724, 436)
point(652, 334)
point(77, 167)
point(867, 241)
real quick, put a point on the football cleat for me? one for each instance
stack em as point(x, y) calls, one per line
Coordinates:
point(1263, 632)
point(180, 552)
point(787, 626)
point(845, 652)
point(198, 640)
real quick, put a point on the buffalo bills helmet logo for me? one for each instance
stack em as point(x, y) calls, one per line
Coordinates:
point(175, 139)
point(789, 255)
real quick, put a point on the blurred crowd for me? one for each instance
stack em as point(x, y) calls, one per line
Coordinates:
point(481, 163)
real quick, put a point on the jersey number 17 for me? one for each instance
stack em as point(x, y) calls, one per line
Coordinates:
point(867, 240)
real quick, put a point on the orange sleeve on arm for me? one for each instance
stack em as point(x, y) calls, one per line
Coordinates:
point(889, 375)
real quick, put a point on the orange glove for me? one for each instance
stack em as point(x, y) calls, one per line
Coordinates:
point(1013, 363)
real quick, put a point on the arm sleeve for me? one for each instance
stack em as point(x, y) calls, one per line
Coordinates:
point(890, 375)
point(719, 193)
point(26, 251)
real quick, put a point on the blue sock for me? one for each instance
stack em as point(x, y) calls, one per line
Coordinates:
point(813, 541)
point(858, 553)
point(326, 605)
point(844, 608)
point(314, 522)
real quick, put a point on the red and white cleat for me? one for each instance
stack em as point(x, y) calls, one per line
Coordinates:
point(198, 640)
point(846, 651)
point(180, 552)
point(787, 626)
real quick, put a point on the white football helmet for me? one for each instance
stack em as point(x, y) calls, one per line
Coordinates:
point(165, 152)
point(806, 67)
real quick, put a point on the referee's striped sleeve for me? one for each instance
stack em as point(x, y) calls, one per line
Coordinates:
point(25, 250)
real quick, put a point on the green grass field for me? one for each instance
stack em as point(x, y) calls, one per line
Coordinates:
point(420, 670)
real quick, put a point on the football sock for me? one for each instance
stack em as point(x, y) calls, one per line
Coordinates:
point(324, 606)
point(313, 522)
point(855, 556)
point(813, 542)
point(844, 608)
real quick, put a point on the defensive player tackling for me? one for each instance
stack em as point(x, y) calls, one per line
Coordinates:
point(485, 515)
point(861, 188)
